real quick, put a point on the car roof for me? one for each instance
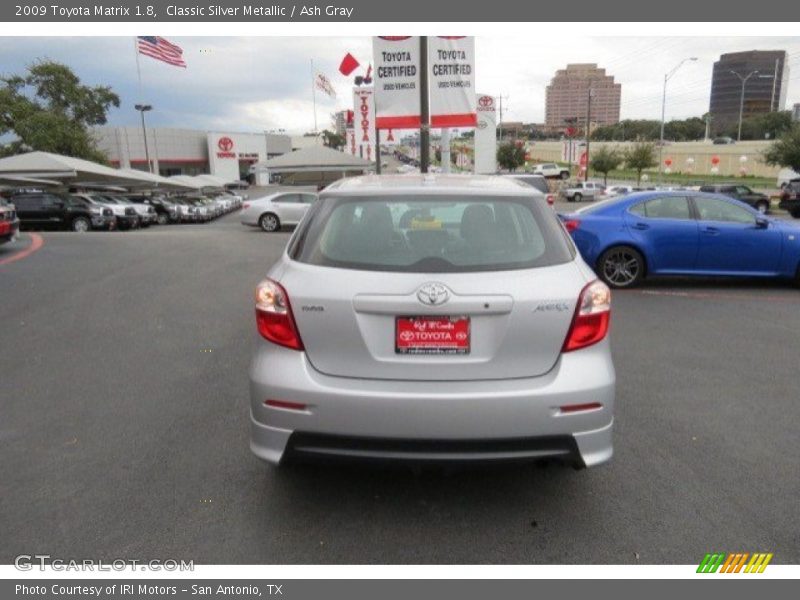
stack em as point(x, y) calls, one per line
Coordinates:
point(428, 184)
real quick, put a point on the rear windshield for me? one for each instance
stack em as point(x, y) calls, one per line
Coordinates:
point(431, 235)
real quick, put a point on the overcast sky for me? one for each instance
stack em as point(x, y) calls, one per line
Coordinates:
point(257, 84)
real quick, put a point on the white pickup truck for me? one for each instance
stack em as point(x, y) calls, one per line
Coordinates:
point(551, 170)
point(584, 189)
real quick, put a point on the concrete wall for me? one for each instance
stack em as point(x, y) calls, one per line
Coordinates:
point(730, 156)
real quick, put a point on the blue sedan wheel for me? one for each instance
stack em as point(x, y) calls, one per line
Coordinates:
point(621, 267)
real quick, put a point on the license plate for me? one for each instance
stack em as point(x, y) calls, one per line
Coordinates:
point(432, 335)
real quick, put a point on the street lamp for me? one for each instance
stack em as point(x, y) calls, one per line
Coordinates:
point(143, 108)
point(664, 107)
point(741, 99)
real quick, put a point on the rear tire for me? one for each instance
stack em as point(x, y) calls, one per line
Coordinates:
point(621, 267)
point(80, 225)
point(577, 197)
point(269, 222)
point(564, 174)
point(162, 219)
point(762, 207)
point(795, 213)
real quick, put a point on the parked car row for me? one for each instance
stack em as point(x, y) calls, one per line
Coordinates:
point(87, 211)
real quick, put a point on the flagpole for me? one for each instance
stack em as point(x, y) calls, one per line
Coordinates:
point(314, 96)
point(138, 67)
point(141, 107)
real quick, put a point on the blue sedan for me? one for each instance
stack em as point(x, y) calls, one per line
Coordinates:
point(682, 233)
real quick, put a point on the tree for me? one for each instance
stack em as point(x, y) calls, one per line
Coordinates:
point(605, 160)
point(49, 109)
point(785, 151)
point(510, 156)
point(333, 140)
point(640, 156)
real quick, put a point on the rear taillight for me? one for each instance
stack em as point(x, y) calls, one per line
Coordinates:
point(246, 205)
point(274, 315)
point(572, 224)
point(551, 199)
point(592, 317)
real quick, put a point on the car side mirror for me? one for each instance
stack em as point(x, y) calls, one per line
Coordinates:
point(762, 223)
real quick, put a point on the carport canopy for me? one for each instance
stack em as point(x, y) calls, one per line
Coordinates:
point(67, 170)
point(316, 159)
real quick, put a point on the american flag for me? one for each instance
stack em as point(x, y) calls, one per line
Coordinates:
point(160, 49)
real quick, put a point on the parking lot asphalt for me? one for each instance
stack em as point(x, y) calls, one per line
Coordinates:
point(124, 426)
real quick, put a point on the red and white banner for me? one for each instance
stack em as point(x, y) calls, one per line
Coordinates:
point(451, 65)
point(397, 101)
point(486, 135)
point(364, 127)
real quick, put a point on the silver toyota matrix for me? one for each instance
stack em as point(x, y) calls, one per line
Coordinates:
point(432, 318)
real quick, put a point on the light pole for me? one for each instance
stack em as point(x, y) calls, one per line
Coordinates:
point(741, 100)
point(143, 108)
point(664, 108)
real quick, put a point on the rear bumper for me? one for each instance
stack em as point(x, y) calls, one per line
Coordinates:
point(425, 421)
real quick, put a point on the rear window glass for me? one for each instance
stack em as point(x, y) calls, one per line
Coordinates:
point(435, 234)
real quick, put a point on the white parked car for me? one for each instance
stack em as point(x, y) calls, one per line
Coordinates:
point(551, 170)
point(619, 190)
point(270, 213)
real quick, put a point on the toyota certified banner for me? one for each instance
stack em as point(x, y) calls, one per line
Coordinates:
point(364, 106)
point(397, 92)
point(451, 66)
point(486, 135)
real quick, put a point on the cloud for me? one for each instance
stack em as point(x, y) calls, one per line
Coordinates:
point(257, 83)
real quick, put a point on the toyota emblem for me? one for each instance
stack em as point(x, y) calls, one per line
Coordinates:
point(486, 101)
point(225, 144)
point(433, 294)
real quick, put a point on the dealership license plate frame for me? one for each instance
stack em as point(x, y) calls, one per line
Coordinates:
point(460, 347)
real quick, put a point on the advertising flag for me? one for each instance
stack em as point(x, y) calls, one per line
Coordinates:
point(348, 64)
point(324, 85)
point(396, 75)
point(451, 64)
point(364, 107)
point(486, 135)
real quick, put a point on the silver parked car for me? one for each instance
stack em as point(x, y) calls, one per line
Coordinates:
point(272, 212)
point(432, 318)
point(584, 189)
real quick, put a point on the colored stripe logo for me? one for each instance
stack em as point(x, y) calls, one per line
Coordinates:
point(737, 562)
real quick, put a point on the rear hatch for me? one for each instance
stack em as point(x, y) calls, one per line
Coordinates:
point(516, 322)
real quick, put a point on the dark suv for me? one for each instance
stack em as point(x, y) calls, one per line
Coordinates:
point(48, 210)
point(740, 192)
point(790, 198)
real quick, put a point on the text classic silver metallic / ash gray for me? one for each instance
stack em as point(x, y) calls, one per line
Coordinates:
point(432, 318)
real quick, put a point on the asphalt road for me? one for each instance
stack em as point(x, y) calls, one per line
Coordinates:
point(124, 424)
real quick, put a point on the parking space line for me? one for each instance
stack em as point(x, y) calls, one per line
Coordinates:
point(718, 296)
point(36, 243)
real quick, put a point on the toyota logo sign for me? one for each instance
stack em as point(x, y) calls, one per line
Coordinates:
point(485, 101)
point(225, 144)
point(433, 294)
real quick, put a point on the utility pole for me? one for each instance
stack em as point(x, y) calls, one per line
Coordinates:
point(588, 131)
point(143, 108)
point(772, 106)
point(425, 117)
